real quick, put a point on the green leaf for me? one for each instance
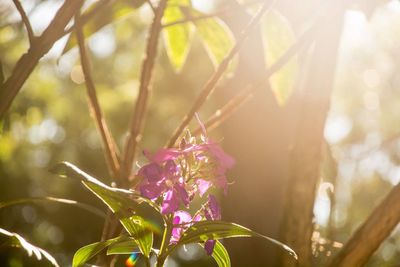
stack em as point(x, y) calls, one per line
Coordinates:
point(216, 37)
point(123, 247)
point(23, 201)
point(84, 254)
point(220, 255)
point(15, 240)
point(105, 12)
point(122, 202)
point(277, 38)
point(137, 227)
point(204, 230)
point(177, 38)
point(116, 199)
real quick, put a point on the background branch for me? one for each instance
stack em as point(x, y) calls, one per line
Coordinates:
point(110, 148)
point(370, 235)
point(210, 85)
point(37, 50)
point(25, 20)
point(136, 124)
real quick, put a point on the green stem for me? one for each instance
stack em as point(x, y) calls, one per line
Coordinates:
point(165, 241)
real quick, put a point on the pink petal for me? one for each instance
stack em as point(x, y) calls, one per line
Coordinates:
point(203, 186)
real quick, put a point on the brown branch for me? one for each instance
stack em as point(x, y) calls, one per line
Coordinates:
point(25, 20)
point(37, 50)
point(110, 148)
point(223, 113)
point(370, 235)
point(210, 85)
point(100, 5)
point(136, 124)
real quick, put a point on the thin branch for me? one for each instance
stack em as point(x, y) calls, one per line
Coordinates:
point(226, 111)
point(110, 148)
point(370, 235)
point(25, 20)
point(151, 6)
point(136, 124)
point(210, 85)
point(90, 14)
point(37, 50)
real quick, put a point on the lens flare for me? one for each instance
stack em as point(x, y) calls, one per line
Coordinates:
point(131, 261)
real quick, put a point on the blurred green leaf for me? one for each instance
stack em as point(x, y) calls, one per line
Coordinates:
point(15, 240)
point(137, 228)
point(221, 255)
point(277, 38)
point(177, 38)
point(100, 14)
point(204, 230)
point(84, 254)
point(23, 201)
point(216, 37)
point(122, 247)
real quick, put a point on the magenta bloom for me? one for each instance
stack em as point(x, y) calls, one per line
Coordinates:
point(164, 180)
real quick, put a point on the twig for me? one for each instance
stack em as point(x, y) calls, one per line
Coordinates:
point(37, 50)
point(210, 85)
point(226, 111)
point(151, 6)
point(25, 20)
point(110, 148)
point(369, 236)
point(136, 124)
point(90, 14)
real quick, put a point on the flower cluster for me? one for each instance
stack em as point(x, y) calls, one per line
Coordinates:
point(175, 176)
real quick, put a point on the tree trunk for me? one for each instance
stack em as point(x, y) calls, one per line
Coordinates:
point(314, 100)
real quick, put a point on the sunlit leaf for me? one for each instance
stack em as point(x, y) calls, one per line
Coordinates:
point(204, 230)
point(105, 12)
point(122, 247)
point(115, 198)
point(84, 254)
point(15, 240)
point(122, 202)
point(177, 38)
point(277, 38)
point(216, 37)
point(23, 201)
point(137, 228)
point(221, 255)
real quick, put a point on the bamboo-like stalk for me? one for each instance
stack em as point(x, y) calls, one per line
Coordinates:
point(37, 50)
point(137, 120)
point(210, 85)
point(110, 148)
point(25, 21)
point(370, 235)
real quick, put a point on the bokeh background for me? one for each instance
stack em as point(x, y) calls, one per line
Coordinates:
point(49, 122)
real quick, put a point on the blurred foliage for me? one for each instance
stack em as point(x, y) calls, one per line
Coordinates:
point(49, 120)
